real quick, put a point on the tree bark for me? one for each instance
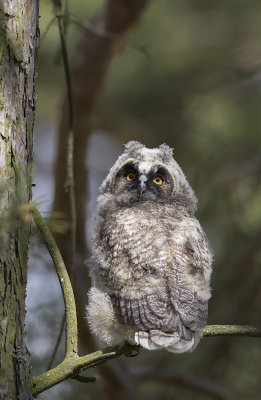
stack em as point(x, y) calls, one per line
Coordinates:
point(18, 39)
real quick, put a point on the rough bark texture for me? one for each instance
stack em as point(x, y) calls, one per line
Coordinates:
point(18, 38)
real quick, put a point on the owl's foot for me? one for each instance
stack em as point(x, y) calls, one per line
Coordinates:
point(133, 350)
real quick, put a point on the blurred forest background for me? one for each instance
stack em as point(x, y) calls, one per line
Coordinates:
point(187, 73)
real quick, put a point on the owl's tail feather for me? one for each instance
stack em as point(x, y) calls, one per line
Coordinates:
point(182, 346)
point(164, 339)
point(155, 340)
point(143, 339)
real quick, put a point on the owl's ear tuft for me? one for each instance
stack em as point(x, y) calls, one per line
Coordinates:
point(133, 145)
point(166, 150)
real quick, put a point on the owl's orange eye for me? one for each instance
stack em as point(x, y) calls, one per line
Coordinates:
point(158, 180)
point(131, 176)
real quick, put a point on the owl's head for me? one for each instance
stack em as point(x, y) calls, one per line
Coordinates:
point(142, 174)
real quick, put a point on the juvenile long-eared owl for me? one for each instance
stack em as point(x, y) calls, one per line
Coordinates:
point(151, 260)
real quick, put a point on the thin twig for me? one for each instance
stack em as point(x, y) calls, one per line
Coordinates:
point(69, 184)
point(57, 344)
point(46, 31)
point(95, 30)
point(84, 379)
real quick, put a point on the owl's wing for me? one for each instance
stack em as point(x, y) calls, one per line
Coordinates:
point(189, 281)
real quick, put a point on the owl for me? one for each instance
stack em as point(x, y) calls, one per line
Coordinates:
point(151, 262)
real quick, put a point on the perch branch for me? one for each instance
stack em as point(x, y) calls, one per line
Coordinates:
point(72, 364)
point(70, 367)
point(232, 330)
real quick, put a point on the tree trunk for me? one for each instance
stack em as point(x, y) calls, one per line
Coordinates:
point(18, 39)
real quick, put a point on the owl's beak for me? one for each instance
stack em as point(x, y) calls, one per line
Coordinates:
point(143, 179)
point(142, 187)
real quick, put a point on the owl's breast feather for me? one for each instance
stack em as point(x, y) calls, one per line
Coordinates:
point(134, 249)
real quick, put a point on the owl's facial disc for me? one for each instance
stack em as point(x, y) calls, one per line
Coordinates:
point(143, 181)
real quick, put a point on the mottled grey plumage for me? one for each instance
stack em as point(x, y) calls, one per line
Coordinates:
point(151, 261)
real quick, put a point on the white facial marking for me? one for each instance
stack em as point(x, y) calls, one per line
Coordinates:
point(144, 167)
point(143, 178)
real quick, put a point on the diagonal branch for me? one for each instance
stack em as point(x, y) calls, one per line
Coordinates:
point(71, 342)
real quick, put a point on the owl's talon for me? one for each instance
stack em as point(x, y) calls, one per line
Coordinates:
point(133, 350)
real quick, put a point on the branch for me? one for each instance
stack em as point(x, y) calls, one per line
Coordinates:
point(232, 330)
point(97, 30)
point(70, 367)
point(57, 344)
